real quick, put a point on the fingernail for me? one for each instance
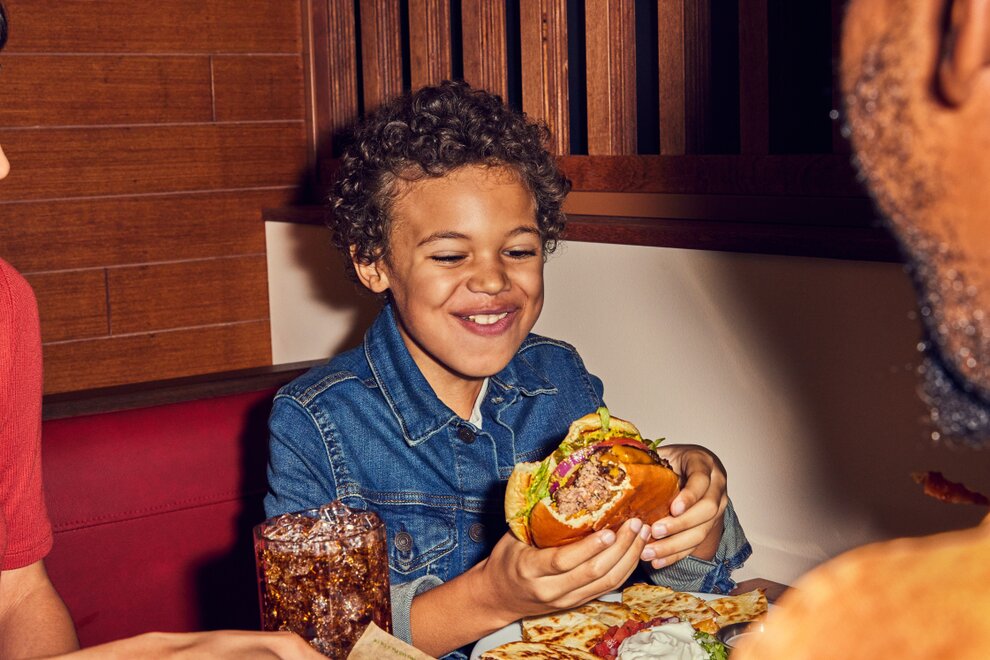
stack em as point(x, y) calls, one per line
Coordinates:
point(658, 563)
point(635, 524)
point(644, 533)
point(677, 508)
point(608, 537)
point(659, 531)
point(648, 554)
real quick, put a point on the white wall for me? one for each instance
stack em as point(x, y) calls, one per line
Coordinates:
point(797, 372)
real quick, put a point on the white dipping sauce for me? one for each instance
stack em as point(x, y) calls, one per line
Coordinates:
point(672, 641)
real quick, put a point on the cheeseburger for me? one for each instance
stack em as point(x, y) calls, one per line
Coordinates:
point(602, 474)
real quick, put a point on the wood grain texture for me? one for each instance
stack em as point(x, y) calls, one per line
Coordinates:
point(429, 42)
point(698, 112)
point(60, 90)
point(92, 233)
point(611, 65)
point(341, 82)
point(258, 88)
point(189, 293)
point(381, 51)
point(71, 303)
point(483, 30)
point(78, 365)
point(673, 105)
point(754, 77)
point(75, 162)
point(823, 175)
point(543, 45)
point(163, 26)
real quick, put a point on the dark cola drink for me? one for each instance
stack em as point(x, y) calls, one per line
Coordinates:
point(323, 574)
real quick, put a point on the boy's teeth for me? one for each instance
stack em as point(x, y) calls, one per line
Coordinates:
point(487, 319)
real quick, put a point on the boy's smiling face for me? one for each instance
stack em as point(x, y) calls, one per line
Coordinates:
point(465, 270)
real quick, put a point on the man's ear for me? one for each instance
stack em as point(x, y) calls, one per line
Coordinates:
point(373, 275)
point(965, 49)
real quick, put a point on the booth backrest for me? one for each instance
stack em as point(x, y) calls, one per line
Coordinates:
point(152, 510)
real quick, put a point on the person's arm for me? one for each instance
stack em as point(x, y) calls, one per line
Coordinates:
point(232, 644)
point(518, 580)
point(34, 621)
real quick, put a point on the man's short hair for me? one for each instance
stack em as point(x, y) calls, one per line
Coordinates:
point(430, 133)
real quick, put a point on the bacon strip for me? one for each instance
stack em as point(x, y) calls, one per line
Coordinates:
point(937, 486)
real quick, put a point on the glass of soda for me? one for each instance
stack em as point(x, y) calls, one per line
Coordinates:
point(323, 573)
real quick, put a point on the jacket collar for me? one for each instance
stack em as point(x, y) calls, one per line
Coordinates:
point(417, 409)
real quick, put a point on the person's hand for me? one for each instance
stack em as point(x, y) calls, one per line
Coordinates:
point(694, 525)
point(232, 644)
point(525, 581)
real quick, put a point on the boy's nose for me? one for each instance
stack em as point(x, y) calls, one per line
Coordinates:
point(489, 277)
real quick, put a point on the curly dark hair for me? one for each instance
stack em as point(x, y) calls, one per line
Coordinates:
point(431, 133)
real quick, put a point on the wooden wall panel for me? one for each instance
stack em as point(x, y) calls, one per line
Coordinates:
point(60, 90)
point(429, 42)
point(611, 57)
point(91, 233)
point(381, 51)
point(543, 42)
point(56, 163)
point(483, 30)
point(171, 354)
point(188, 293)
point(163, 26)
point(258, 88)
point(145, 140)
point(71, 304)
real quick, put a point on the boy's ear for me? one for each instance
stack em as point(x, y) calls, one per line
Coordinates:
point(373, 275)
point(965, 49)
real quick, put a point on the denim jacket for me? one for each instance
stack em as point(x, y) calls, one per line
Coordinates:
point(368, 429)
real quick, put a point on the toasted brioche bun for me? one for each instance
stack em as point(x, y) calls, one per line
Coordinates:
point(645, 493)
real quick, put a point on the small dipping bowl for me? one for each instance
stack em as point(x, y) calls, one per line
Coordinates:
point(733, 634)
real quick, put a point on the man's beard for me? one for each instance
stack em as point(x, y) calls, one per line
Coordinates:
point(902, 172)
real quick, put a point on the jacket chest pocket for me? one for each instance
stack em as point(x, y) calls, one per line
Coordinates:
point(419, 536)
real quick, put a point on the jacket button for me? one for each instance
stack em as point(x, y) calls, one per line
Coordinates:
point(476, 532)
point(403, 541)
point(466, 435)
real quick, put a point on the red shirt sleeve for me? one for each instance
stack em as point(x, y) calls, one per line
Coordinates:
point(25, 531)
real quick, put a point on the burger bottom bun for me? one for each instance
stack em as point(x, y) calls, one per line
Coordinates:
point(646, 493)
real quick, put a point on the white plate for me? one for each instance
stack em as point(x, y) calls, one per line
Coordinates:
point(513, 633)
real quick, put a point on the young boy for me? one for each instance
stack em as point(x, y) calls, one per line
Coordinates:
point(446, 204)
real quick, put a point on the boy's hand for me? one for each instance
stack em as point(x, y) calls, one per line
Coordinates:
point(694, 525)
point(526, 581)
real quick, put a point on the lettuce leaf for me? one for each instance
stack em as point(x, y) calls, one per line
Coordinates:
point(714, 648)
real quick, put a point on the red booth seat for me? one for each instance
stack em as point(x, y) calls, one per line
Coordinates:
point(152, 510)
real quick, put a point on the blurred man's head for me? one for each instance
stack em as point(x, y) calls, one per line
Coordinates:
point(4, 165)
point(917, 97)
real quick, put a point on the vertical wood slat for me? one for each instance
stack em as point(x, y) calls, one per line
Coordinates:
point(543, 42)
point(381, 51)
point(673, 129)
point(341, 95)
point(611, 64)
point(698, 75)
point(483, 30)
point(429, 42)
point(754, 78)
